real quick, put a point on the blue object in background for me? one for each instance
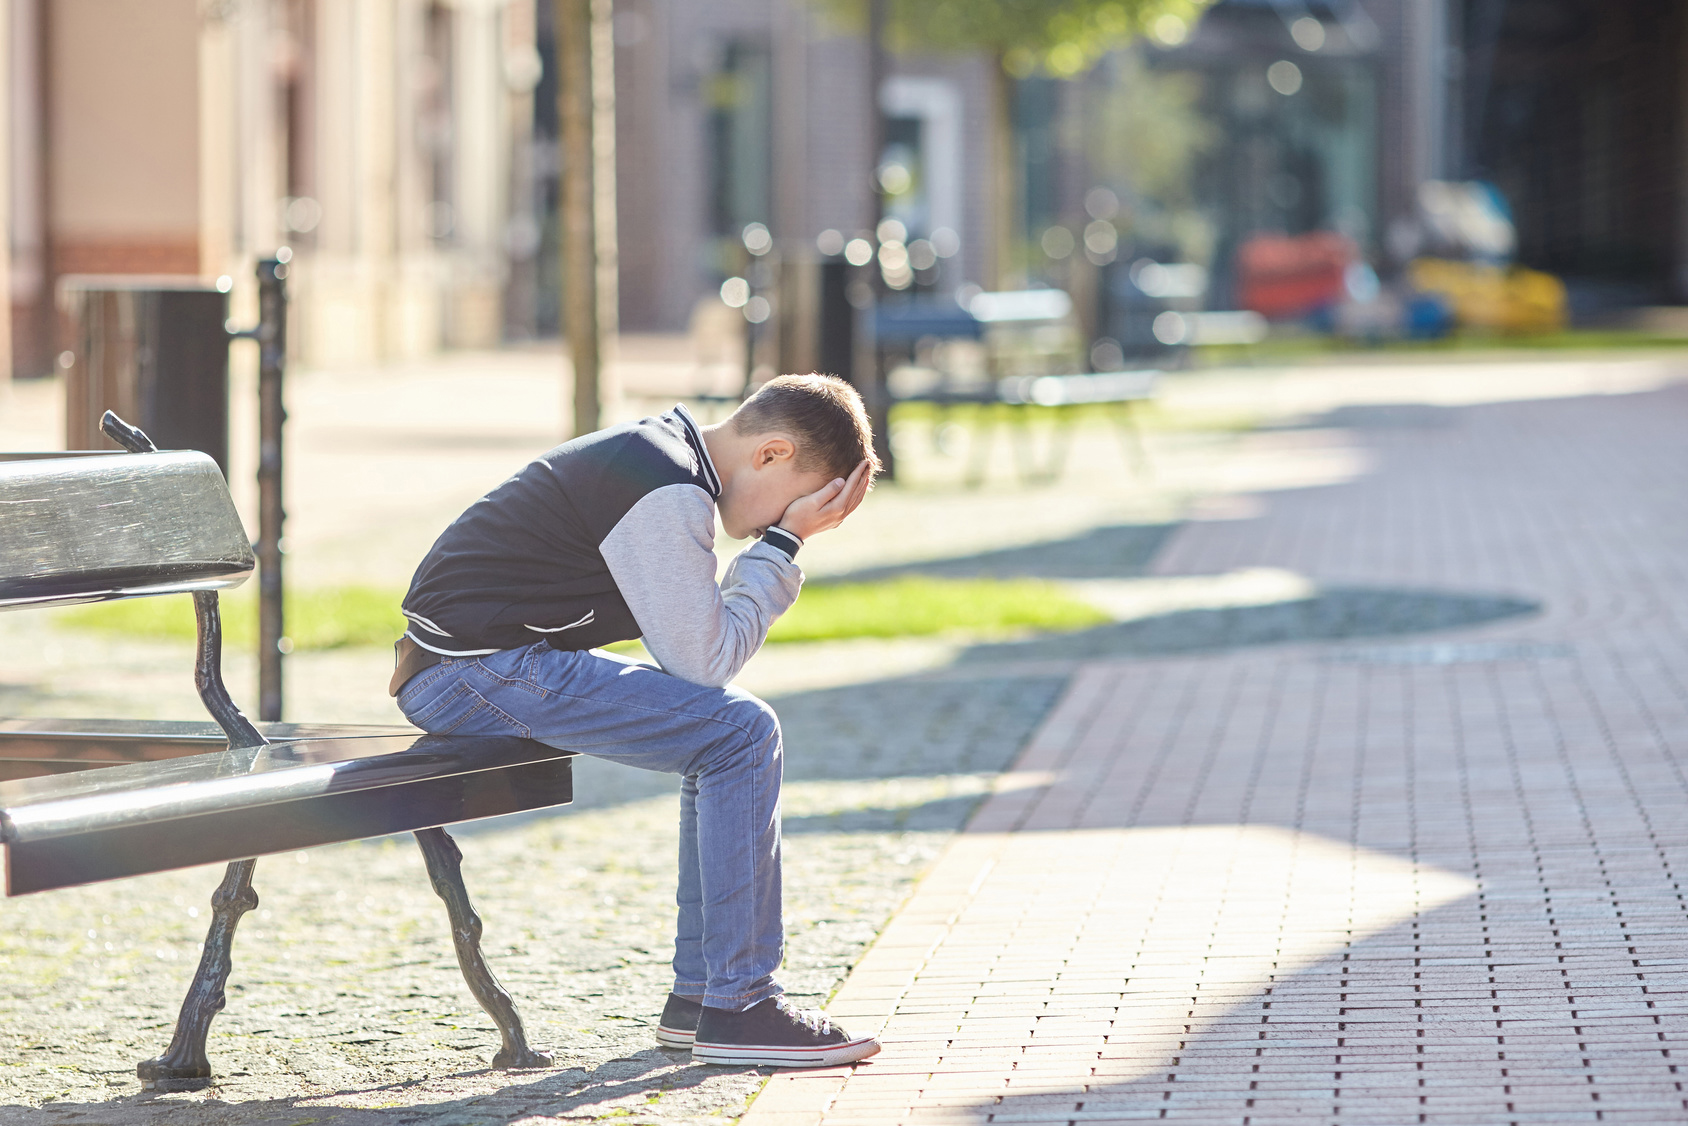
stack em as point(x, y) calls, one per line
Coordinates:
point(909, 321)
point(1427, 317)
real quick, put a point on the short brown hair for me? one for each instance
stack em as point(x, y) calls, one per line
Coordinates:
point(821, 413)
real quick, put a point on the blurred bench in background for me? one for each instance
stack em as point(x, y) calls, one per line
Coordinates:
point(1002, 361)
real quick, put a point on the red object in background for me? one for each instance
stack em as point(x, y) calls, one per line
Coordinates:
point(1283, 277)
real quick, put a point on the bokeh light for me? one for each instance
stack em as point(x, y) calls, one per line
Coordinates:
point(1169, 30)
point(1284, 77)
point(895, 178)
point(1170, 328)
point(1100, 238)
point(757, 240)
point(1057, 242)
point(1308, 33)
point(1107, 355)
point(735, 292)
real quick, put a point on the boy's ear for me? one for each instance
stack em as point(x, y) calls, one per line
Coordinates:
point(773, 449)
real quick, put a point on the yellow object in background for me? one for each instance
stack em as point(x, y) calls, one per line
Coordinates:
point(1502, 299)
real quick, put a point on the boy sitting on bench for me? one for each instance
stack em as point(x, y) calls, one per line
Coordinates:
point(611, 537)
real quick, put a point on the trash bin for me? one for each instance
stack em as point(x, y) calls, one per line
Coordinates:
point(156, 351)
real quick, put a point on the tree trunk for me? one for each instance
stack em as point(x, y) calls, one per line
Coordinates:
point(875, 394)
point(1003, 202)
point(580, 252)
point(607, 244)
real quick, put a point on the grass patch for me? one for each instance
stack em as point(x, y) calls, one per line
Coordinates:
point(916, 606)
point(327, 618)
point(909, 606)
point(1289, 348)
point(1149, 414)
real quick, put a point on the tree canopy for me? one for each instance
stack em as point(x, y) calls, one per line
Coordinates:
point(1060, 37)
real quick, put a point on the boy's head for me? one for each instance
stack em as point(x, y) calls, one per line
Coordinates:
point(792, 437)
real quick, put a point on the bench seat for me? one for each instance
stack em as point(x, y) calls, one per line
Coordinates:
point(155, 811)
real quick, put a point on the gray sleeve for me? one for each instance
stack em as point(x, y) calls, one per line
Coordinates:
point(662, 557)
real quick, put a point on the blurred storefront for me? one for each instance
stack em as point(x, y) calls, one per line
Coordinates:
point(382, 139)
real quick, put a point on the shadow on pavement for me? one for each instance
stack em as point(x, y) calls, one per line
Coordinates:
point(1110, 552)
point(1385, 416)
point(555, 1093)
point(1337, 614)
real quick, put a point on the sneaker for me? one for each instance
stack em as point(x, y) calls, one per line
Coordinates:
point(678, 1026)
point(774, 1033)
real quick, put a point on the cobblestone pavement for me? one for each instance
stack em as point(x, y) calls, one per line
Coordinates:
point(1431, 880)
point(346, 1005)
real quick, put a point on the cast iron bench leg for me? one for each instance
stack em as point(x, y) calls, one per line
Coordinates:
point(184, 1066)
point(446, 872)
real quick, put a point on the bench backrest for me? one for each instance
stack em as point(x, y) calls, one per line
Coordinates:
point(84, 529)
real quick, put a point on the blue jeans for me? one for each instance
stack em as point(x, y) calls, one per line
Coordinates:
point(723, 742)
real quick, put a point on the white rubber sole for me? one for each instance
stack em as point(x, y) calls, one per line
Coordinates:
point(674, 1037)
point(756, 1055)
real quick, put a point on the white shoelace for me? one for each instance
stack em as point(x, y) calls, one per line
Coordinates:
point(813, 1019)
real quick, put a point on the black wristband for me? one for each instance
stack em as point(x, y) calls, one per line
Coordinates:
point(786, 542)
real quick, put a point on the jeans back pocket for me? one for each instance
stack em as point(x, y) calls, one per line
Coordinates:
point(447, 711)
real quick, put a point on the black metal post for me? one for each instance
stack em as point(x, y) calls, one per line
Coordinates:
point(756, 276)
point(272, 365)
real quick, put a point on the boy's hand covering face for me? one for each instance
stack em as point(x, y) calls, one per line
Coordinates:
point(827, 507)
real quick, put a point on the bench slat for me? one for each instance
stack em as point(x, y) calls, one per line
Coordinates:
point(33, 747)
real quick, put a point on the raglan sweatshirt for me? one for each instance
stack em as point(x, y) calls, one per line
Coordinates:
point(605, 538)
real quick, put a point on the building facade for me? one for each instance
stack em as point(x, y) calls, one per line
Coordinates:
point(406, 150)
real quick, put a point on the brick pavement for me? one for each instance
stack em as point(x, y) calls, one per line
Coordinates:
point(1352, 882)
